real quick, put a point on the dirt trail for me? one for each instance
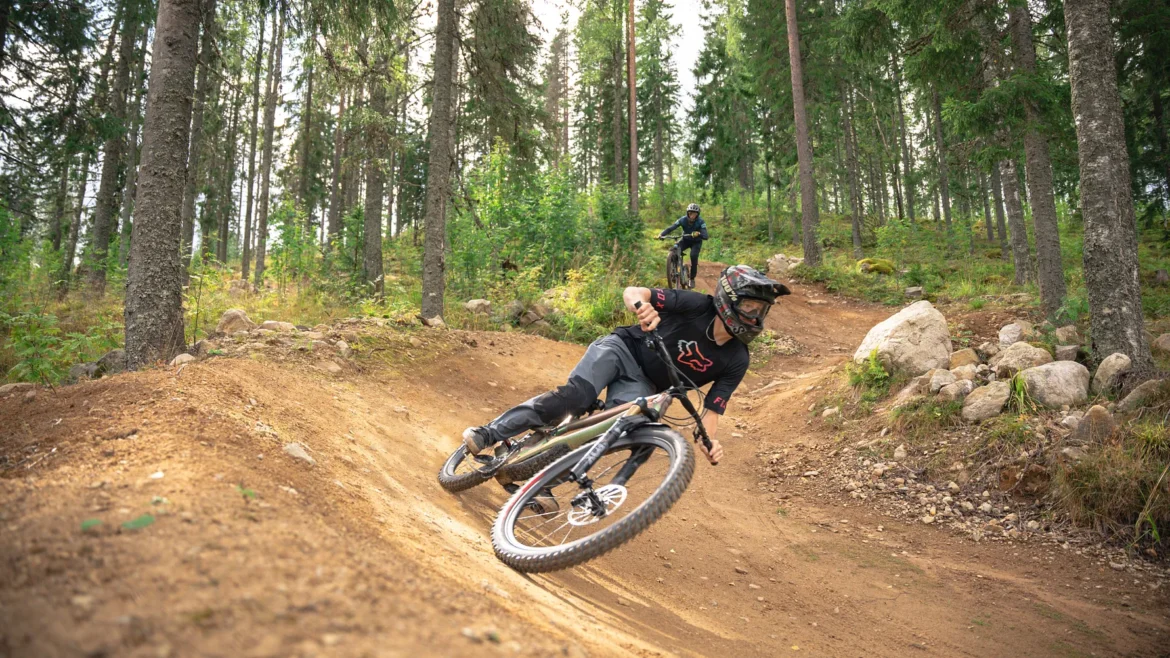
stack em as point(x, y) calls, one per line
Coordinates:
point(253, 552)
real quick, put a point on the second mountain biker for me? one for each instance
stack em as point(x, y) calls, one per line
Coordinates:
point(694, 232)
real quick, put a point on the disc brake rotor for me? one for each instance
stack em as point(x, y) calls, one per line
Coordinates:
point(611, 495)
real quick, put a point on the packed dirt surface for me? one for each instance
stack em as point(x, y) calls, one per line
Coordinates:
point(216, 540)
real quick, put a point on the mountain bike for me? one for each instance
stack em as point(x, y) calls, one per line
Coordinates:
point(677, 274)
point(608, 489)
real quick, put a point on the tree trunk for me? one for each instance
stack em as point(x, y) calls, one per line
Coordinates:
point(1021, 254)
point(154, 283)
point(306, 136)
point(439, 169)
point(132, 155)
point(107, 202)
point(246, 248)
point(941, 146)
point(1111, 250)
point(206, 62)
point(983, 192)
point(1160, 131)
point(375, 180)
point(339, 138)
point(226, 208)
point(274, 73)
point(768, 184)
point(61, 203)
point(852, 169)
point(808, 191)
point(1039, 173)
point(997, 195)
point(632, 86)
point(616, 123)
point(71, 239)
point(907, 162)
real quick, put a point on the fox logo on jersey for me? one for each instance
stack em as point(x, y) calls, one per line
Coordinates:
point(689, 355)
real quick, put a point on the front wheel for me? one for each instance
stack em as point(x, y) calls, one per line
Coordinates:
point(552, 523)
point(673, 274)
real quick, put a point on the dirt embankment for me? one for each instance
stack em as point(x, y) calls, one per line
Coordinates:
point(235, 547)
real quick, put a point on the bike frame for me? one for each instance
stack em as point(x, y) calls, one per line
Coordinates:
point(576, 434)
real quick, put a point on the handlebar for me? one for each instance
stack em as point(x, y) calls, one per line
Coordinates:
point(653, 338)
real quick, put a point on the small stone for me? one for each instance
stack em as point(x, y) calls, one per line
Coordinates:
point(157, 475)
point(297, 451)
point(1067, 352)
point(953, 487)
point(900, 452)
point(985, 508)
point(830, 412)
point(741, 570)
point(16, 388)
point(434, 323)
point(1033, 525)
point(1096, 426)
point(1117, 566)
point(927, 519)
point(1067, 335)
point(913, 292)
point(182, 359)
point(1013, 333)
point(811, 474)
point(344, 349)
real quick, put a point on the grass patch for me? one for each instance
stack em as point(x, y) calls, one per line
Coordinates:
point(1121, 488)
point(926, 417)
point(870, 379)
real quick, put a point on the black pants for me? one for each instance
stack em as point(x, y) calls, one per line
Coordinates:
point(695, 245)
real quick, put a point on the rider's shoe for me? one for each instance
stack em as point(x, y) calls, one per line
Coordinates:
point(692, 283)
point(476, 439)
point(544, 503)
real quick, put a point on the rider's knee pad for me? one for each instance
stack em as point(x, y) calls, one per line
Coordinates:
point(575, 397)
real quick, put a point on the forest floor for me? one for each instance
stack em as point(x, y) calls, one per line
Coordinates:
point(249, 552)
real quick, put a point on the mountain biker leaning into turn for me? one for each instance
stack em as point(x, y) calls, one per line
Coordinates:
point(694, 232)
point(707, 337)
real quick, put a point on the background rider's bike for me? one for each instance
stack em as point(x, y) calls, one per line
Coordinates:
point(604, 493)
point(677, 274)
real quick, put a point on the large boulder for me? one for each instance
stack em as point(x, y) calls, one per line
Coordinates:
point(912, 341)
point(1095, 426)
point(1017, 357)
point(1142, 394)
point(111, 363)
point(964, 357)
point(234, 320)
point(276, 325)
point(1111, 368)
point(986, 402)
point(779, 264)
point(479, 306)
point(1014, 333)
point(1161, 344)
point(1054, 385)
point(986, 350)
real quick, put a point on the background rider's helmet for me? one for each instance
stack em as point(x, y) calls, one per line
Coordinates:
point(740, 282)
point(694, 207)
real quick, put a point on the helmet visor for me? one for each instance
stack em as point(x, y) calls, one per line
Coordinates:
point(753, 310)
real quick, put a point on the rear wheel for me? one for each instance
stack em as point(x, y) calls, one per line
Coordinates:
point(634, 483)
point(462, 471)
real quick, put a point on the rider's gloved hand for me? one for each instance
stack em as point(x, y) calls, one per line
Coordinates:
point(695, 234)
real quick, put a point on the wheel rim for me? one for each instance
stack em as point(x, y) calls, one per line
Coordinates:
point(472, 464)
point(575, 519)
